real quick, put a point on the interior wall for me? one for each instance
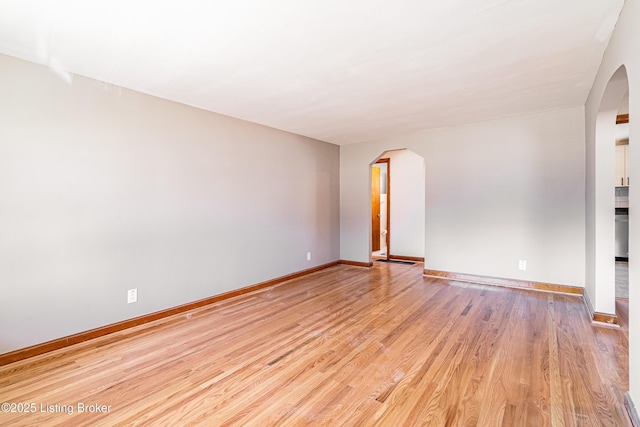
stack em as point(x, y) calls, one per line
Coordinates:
point(407, 203)
point(495, 193)
point(104, 189)
point(623, 49)
point(624, 105)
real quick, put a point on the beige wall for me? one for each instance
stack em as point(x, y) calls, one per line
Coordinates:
point(623, 49)
point(495, 192)
point(106, 189)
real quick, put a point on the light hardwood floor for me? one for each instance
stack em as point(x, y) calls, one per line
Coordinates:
point(343, 346)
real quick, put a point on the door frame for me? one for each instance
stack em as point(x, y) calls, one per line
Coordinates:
point(387, 160)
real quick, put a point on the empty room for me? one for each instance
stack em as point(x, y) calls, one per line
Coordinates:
point(319, 213)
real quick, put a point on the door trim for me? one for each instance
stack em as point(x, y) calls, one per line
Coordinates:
point(387, 160)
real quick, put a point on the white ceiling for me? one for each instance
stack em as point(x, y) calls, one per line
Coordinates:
point(339, 71)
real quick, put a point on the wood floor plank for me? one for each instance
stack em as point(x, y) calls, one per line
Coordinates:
point(343, 346)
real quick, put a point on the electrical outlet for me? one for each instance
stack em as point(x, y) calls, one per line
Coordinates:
point(522, 264)
point(132, 296)
point(308, 256)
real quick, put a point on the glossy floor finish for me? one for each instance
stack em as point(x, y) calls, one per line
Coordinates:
point(343, 346)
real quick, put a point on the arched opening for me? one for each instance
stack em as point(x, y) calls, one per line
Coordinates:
point(397, 206)
point(622, 183)
point(609, 192)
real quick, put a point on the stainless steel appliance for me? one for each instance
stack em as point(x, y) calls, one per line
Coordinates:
point(622, 233)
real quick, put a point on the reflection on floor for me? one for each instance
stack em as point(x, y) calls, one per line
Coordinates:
point(622, 279)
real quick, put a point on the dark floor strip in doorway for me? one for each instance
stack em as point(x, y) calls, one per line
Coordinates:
point(393, 261)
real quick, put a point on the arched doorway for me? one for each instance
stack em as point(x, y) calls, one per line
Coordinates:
point(397, 206)
point(601, 261)
point(622, 183)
